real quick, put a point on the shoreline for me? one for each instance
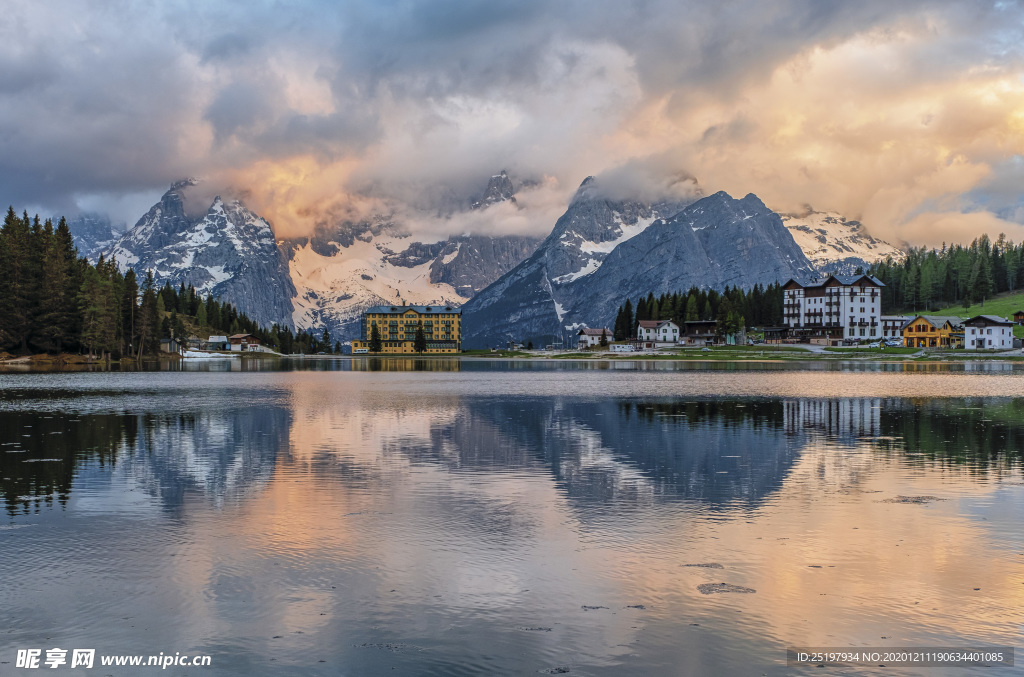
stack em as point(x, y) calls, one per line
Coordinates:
point(730, 355)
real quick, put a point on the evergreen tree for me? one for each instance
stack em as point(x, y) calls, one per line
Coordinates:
point(201, 314)
point(420, 342)
point(604, 339)
point(56, 322)
point(148, 322)
point(98, 305)
point(691, 308)
point(375, 342)
point(17, 291)
point(129, 311)
point(727, 320)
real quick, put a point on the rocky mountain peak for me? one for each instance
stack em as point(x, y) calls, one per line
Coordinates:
point(586, 191)
point(183, 183)
point(226, 250)
point(603, 252)
point(499, 189)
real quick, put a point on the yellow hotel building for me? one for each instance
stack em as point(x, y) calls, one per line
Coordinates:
point(934, 331)
point(442, 326)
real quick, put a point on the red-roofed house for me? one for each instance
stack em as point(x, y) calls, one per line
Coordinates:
point(655, 333)
point(592, 337)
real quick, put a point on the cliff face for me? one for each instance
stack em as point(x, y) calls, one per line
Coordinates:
point(229, 252)
point(603, 252)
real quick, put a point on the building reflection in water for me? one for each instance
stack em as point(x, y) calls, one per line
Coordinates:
point(496, 532)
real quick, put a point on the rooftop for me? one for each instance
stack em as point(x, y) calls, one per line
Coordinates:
point(422, 310)
point(844, 280)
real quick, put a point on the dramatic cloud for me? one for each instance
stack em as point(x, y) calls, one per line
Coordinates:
point(909, 116)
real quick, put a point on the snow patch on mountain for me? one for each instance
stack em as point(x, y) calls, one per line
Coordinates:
point(333, 290)
point(592, 253)
point(836, 244)
point(228, 252)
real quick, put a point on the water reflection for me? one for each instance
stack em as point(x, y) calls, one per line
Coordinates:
point(717, 451)
point(276, 521)
point(219, 455)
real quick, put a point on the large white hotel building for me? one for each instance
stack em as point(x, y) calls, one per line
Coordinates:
point(836, 308)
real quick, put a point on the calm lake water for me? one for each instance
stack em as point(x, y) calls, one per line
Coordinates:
point(446, 517)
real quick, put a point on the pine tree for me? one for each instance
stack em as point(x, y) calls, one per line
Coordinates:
point(201, 314)
point(691, 308)
point(604, 339)
point(420, 342)
point(726, 319)
point(375, 342)
point(56, 323)
point(148, 326)
point(19, 281)
point(129, 312)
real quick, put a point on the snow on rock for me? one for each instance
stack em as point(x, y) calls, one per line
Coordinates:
point(229, 252)
point(835, 244)
point(333, 289)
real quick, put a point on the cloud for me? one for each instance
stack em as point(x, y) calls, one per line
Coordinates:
point(320, 111)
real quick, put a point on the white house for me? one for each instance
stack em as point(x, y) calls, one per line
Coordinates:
point(589, 338)
point(657, 332)
point(836, 308)
point(892, 326)
point(988, 332)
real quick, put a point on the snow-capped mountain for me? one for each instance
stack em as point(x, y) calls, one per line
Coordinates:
point(340, 272)
point(93, 234)
point(229, 252)
point(602, 252)
point(338, 276)
point(834, 244)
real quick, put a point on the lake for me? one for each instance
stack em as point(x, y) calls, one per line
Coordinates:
point(477, 517)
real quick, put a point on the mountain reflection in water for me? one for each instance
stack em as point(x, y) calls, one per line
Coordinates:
point(352, 519)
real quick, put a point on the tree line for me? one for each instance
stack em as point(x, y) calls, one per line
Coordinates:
point(52, 300)
point(928, 279)
point(731, 309)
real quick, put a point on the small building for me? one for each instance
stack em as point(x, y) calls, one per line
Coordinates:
point(588, 338)
point(655, 333)
point(892, 326)
point(622, 348)
point(172, 346)
point(1018, 317)
point(775, 335)
point(217, 343)
point(244, 342)
point(934, 331)
point(699, 332)
point(195, 343)
point(988, 332)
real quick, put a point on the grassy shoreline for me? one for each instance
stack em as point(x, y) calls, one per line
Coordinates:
point(722, 354)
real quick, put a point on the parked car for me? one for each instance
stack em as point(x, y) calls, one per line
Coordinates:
point(876, 344)
point(894, 343)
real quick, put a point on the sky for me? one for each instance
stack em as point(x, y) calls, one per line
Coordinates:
point(908, 116)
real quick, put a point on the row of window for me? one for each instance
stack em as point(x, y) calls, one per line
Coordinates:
point(410, 317)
